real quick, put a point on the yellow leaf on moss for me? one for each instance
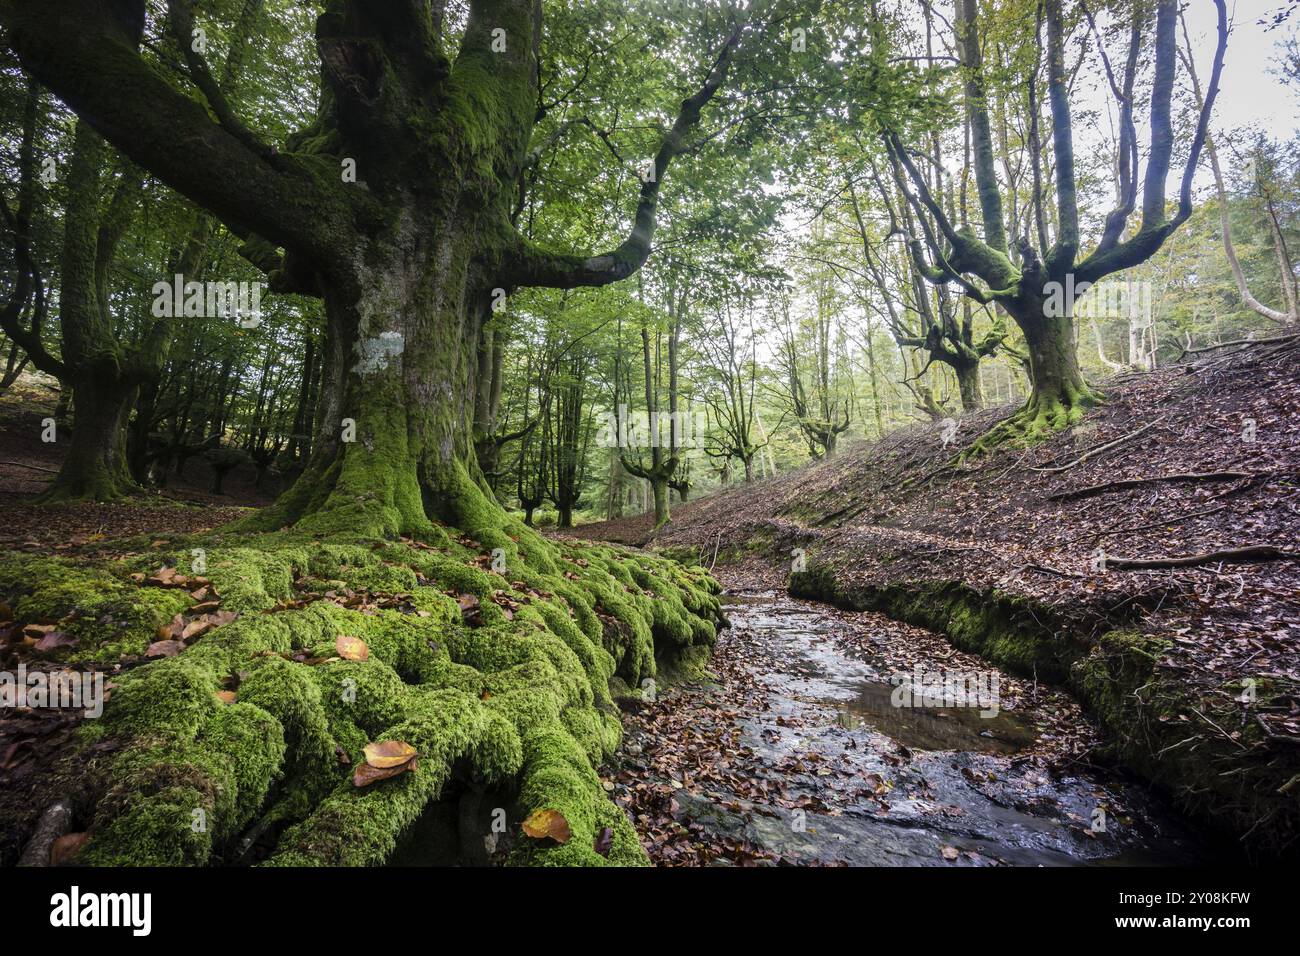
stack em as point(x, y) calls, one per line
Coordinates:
point(351, 648)
point(388, 753)
point(547, 823)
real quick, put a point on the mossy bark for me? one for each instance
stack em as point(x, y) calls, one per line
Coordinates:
point(663, 514)
point(969, 387)
point(95, 466)
point(1060, 397)
point(104, 374)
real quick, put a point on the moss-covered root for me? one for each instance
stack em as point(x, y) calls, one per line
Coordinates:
point(256, 728)
point(1045, 414)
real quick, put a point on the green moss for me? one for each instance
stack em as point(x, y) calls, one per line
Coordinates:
point(96, 603)
point(172, 800)
point(517, 700)
point(558, 776)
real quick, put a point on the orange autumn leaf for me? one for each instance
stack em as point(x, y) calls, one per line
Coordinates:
point(351, 648)
point(196, 628)
point(366, 774)
point(547, 823)
point(389, 753)
point(66, 847)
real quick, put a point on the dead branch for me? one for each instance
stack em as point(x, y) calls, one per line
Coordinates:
point(1247, 555)
point(1092, 490)
point(1223, 345)
point(54, 823)
point(19, 464)
point(1097, 451)
point(1047, 569)
point(1161, 524)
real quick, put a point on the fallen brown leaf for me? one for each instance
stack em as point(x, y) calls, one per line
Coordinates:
point(389, 753)
point(351, 648)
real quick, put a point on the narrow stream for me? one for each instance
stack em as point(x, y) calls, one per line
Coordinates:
point(823, 761)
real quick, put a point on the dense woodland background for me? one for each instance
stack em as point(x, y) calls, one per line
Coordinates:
point(779, 314)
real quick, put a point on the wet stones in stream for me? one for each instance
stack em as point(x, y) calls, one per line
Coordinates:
point(831, 738)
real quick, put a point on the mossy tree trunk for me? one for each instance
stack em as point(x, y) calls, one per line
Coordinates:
point(408, 258)
point(104, 374)
point(1060, 395)
point(663, 460)
point(936, 330)
point(95, 466)
point(970, 387)
point(91, 364)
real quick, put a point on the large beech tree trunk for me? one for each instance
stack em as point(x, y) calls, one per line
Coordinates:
point(95, 466)
point(408, 255)
point(394, 442)
point(970, 387)
point(1060, 394)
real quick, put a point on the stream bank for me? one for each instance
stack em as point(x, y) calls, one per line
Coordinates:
point(1096, 558)
point(802, 748)
point(1218, 767)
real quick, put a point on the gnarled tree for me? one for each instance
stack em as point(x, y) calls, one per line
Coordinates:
point(1038, 283)
point(407, 258)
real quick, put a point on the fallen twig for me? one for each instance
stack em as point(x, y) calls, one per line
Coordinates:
point(19, 464)
point(1047, 569)
point(1246, 555)
point(1226, 735)
point(1097, 451)
point(1161, 524)
point(1224, 345)
point(1092, 490)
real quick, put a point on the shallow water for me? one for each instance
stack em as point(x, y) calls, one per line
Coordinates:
point(853, 779)
point(909, 785)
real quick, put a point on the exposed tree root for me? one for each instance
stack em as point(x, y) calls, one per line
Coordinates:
point(519, 695)
point(1246, 555)
point(96, 485)
point(1042, 416)
point(1092, 490)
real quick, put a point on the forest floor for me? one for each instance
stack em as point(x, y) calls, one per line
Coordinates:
point(789, 753)
point(1193, 670)
point(262, 679)
point(27, 465)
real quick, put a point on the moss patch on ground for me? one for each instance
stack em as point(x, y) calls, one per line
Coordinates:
point(493, 656)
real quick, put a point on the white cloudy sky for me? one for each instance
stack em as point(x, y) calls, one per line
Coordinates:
point(1252, 93)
